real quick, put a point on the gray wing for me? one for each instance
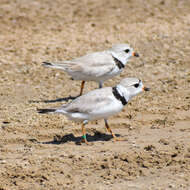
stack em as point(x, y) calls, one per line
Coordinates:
point(94, 100)
point(95, 64)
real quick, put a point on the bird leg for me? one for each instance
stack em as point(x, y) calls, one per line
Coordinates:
point(82, 86)
point(84, 134)
point(100, 84)
point(109, 130)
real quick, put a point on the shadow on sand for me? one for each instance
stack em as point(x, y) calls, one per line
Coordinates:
point(98, 136)
point(66, 99)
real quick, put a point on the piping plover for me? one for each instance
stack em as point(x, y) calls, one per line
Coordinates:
point(98, 66)
point(100, 103)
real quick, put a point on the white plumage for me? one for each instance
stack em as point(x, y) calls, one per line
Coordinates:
point(97, 66)
point(100, 103)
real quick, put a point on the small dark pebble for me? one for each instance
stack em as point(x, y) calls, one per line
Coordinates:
point(6, 122)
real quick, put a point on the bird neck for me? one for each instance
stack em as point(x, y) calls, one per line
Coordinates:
point(119, 96)
point(120, 58)
point(123, 92)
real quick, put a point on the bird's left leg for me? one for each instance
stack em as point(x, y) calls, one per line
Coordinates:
point(82, 87)
point(109, 130)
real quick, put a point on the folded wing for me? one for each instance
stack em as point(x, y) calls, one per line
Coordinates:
point(95, 101)
point(91, 65)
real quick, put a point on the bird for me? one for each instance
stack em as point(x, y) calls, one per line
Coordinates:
point(100, 103)
point(97, 66)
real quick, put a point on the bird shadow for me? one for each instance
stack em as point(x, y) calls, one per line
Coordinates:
point(58, 139)
point(66, 99)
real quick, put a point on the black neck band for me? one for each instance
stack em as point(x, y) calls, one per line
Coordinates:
point(118, 96)
point(119, 64)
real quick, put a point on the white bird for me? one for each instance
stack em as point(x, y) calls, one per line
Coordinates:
point(97, 66)
point(100, 103)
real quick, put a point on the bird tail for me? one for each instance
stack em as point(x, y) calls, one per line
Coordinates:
point(43, 111)
point(52, 65)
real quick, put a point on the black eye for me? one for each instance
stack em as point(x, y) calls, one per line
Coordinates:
point(136, 85)
point(127, 50)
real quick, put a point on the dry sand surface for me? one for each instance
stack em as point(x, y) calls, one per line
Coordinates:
point(40, 151)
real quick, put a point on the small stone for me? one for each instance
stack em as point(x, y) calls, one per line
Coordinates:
point(2, 161)
point(163, 141)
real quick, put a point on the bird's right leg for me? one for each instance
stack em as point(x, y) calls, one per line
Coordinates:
point(84, 134)
point(100, 85)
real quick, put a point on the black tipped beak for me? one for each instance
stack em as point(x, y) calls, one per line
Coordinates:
point(135, 54)
point(146, 89)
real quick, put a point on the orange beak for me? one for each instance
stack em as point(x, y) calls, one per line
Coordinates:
point(145, 88)
point(135, 54)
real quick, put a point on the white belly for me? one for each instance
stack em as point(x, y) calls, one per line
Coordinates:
point(96, 78)
point(101, 113)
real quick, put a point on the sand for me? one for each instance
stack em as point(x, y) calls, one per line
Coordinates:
point(41, 151)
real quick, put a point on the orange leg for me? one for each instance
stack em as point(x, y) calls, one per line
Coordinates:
point(109, 130)
point(84, 134)
point(82, 86)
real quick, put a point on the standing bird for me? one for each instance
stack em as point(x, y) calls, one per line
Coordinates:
point(100, 103)
point(97, 66)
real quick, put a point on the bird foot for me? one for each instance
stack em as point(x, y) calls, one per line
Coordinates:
point(85, 141)
point(119, 139)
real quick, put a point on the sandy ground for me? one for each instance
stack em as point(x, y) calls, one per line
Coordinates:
point(40, 151)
